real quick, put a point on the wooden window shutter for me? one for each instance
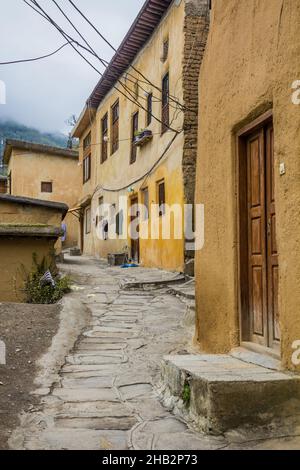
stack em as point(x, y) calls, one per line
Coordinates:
point(115, 128)
point(165, 103)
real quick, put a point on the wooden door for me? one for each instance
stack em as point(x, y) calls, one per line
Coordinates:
point(257, 238)
point(260, 240)
point(272, 253)
point(135, 242)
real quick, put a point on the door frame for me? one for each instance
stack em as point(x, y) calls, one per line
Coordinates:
point(242, 223)
point(134, 198)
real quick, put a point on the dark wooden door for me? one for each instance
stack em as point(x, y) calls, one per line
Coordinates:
point(135, 242)
point(262, 248)
point(272, 253)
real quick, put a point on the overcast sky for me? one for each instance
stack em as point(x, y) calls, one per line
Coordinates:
point(45, 93)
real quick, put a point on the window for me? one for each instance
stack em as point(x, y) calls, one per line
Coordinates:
point(165, 104)
point(136, 89)
point(135, 128)
point(165, 50)
point(46, 187)
point(86, 168)
point(145, 200)
point(115, 127)
point(88, 220)
point(87, 141)
point(161, 193)
point(119, 223)
point(149, 109)
point(99, 215)
point(104, 138)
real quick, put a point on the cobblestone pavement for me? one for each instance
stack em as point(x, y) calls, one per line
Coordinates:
point(105, 397)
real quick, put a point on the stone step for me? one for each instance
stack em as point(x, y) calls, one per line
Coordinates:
point(153, 282)
point(89, 382)
point(108, 422)
point(85, 395)
point(220, 393)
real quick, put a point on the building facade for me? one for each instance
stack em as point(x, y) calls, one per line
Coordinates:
point(248, 169)
point(138, 137)
point(28, 228)
point(47, 173)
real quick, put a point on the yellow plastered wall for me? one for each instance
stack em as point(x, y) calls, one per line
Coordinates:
point(116, 172)
point(16, 252)
point(29, 169)
point(251, 61)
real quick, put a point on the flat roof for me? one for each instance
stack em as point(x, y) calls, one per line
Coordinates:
point(57, 206)
point(11, 144)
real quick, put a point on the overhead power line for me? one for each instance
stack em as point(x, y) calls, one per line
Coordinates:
point(36, 58)
point(45, 15)
point(117, 52)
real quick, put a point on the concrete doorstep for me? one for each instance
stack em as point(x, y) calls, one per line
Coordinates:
point(220, 393)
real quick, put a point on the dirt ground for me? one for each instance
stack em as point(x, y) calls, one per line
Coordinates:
point(27, 331)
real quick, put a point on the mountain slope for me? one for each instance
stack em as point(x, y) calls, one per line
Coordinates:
point(14, 130)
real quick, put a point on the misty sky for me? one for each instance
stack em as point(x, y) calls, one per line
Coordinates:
point(44, 94)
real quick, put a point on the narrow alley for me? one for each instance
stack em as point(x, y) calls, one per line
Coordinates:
point(105, 397)
point(107, 392)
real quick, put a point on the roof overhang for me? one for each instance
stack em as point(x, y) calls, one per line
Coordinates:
point(140, 32)
point(85, 119)
point(40, 231)
point(55, 206)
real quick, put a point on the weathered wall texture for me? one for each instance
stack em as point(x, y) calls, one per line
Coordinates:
point(16, 251)
point(29, 169)
point(196, 25)
point(16, 256)
point(252, 59)
point(178, 167)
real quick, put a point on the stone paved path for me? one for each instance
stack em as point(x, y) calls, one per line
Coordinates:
point(105, 397)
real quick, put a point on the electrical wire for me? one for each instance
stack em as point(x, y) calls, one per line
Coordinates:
point(116, 51)
point(133, 100)
point(137, 180)
point(36, 58)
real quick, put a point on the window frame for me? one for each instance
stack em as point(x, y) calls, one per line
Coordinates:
point(161, 205)
point(87, 141)
point(134, 128)
point(86, 167)
point(149, 109)
point(145, 202)
point(47, 183)
point(104, 143)
point(115, 123)
point(88, 227)
point(165, 103)
point(166, 45)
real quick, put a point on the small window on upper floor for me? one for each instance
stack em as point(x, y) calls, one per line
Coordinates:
point(87, 168)
point(46, 187)
point(115, 111)
point(149, 109)
point(88, 220)
point(145, 202)
point(165, 113)
point(136, 90)
point(165, 51)
point(104, 138)
point(134, 130)
point(87, 142)
point(161, 196)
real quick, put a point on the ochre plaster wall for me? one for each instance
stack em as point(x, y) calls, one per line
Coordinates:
point(251, 60)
